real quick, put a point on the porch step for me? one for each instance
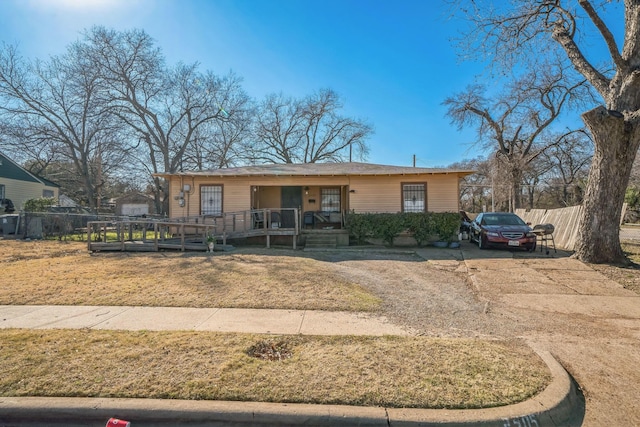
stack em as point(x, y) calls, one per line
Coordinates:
point(315, 241)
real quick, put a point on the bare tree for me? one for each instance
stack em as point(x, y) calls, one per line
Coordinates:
point(222, 143)
point(568, 162)
point(531, 29)
point(475, 189)
point(515, 123)
point(532, 175)
point(54, 109)
point(167, 109)
point(308, 130)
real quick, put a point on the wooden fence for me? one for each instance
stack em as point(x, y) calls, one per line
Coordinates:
point(564, 220)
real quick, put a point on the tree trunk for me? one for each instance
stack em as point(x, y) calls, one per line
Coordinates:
point(516, 189)
point(89, 191)
point(160, 192)
point(616, 142)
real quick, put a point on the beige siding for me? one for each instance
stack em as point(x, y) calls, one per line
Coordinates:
point(384, 194)
point(311, 198)
point(21, 191)
point(375, 194)
point(369, 193)
point(236, 195)
point(443, 194)
point(267, 197)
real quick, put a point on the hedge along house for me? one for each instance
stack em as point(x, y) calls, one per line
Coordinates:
point(19, 185)
point(307, 199)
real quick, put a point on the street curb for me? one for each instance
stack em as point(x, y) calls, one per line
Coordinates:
point(558, 405)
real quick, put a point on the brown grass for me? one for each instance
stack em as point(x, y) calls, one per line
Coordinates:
point(369, 371)
point(387, 371)
point(627, 275)
point(59, 273)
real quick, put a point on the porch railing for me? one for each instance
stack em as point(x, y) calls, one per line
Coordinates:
point(261, 222)
point(188, 232)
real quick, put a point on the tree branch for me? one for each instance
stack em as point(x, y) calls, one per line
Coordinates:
point(605, 32)
point(577, 58)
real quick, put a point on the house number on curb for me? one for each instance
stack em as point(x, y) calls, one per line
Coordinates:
point(523, 421)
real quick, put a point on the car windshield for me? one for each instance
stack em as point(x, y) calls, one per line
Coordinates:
point(502, 220)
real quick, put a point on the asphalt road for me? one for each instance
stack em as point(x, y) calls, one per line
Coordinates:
point(630, 232)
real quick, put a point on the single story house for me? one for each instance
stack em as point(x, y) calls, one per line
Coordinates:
point(321, 192)
point(19, 185)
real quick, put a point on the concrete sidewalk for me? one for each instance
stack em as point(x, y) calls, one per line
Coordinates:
point(593, 323)
point(560, 404)
point(289, 322)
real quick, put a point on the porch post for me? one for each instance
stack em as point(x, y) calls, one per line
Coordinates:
point(296, 224)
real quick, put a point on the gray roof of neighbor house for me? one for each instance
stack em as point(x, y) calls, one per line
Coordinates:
point(320, 169)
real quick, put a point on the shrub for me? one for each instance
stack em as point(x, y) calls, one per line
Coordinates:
point(360, 226)
point(387, 226)
point(41, 204)
point(447, 225)
point(421, 226)
point(632, 197)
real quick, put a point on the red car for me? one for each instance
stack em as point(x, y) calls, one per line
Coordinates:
point(501, 229)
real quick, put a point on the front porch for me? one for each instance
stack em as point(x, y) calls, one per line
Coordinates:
point(320, 207)
point(264, 226)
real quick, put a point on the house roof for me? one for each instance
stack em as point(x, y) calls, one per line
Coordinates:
point(11, 170)
point(320, 169)
point(134, 196)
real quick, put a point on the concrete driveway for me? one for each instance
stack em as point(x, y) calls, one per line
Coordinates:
point(588, 322)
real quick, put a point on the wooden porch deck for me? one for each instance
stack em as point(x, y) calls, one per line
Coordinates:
point(185, 234)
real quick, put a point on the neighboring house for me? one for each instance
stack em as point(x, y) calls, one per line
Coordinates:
point(67, 202)
point(19, 185)
point(320, 190)
point(134, 204)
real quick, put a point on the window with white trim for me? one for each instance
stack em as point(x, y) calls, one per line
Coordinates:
point(1, 191)
point(47, 193)
point(330, 200)
point(414, 197)
point(211, 200)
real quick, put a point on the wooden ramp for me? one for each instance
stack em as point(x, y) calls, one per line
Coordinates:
point(183, 234)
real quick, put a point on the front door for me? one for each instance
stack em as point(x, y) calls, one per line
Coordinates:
point(291, 197)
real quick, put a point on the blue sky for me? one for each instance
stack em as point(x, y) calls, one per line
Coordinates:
point(391, 62)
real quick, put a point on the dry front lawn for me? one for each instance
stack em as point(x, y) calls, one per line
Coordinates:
point(369, 371)
point(627, 275)
point(387, 371)
point(59, 273)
